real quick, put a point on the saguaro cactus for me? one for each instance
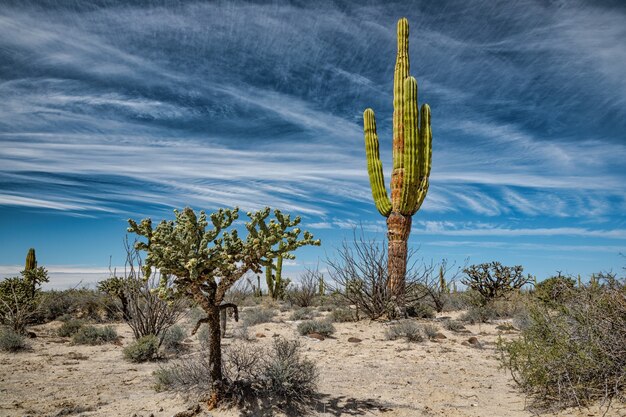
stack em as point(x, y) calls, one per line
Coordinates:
point(29, 268)
point(412, 152)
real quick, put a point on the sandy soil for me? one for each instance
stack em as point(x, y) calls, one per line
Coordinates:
point(374, 377)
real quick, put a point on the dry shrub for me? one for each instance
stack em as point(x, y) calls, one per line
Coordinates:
point(573, 353)
point(143, 349)
point(323, 327)
point(256, 376)
point(305, 313)
point(305, 292)
point(407, 329)
point(91, 335)
point(11, 341)
point(258, 315)
point(359, 274)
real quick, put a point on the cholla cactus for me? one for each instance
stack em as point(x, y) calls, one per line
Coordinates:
point(203, 260)
point(412, 151)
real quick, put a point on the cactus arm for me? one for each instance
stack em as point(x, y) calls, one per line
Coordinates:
point(401, 72)
point(413, 162)
point(426, 150)
point(374, 165)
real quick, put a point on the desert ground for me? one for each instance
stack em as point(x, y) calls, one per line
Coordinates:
point(374, 377)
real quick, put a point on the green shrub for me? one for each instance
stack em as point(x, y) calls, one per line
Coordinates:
point(91, 335)
point(70, 327)
point(174, 336)
point(573, 355)
point(407, 329)
point(323, 327)
point(554, 290)
point(341, 315)
point(258, 315)
point(11, 341)
point(305, 313)
point(143, 349)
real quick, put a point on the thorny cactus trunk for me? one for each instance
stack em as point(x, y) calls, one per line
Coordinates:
point(412, 152)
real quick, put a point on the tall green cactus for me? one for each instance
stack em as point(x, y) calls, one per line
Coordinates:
point(412, 139)
point(274, 278)
point(29, 268)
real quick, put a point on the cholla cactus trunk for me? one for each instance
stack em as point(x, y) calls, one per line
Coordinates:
point(412, 152)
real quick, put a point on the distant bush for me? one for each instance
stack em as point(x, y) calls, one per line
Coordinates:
point(420, 311)
point(11, 341)
point(407, 329)
point(174, 336)
point(430, 330)
point(341, 315)
point(258, 315)
point(572, 353)
point(503, 308)
point(493, 280)
point(91, 335)
point(305, 292)
point(305, 313)
point(70, 327)
point(554, 289)
point(255, 375)
point(323, 327)
point(79, 303)
point(454, 325)
point(143, 349)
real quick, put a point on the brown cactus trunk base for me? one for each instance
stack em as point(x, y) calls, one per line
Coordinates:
point(398, 230)
point(215, 356)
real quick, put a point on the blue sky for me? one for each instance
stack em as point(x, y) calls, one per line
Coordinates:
point(115, 109)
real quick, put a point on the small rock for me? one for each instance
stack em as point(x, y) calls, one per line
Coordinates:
point(316, 336)
point(275, 335)
point(31, 335)
point(354, 340)
point(440, 336)
point(259, 335)
point(465, 343)
point(473, 341)
point(188, 340)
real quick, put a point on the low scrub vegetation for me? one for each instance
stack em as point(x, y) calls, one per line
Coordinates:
point(572, 351)
point(70, 327)
point(405, 329)
point(323, 327)
point(92, 335)
point(12, 341)
point(258, 315)
point(143, 349)
point(276, 376)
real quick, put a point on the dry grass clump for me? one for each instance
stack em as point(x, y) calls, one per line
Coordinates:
point(143, 349)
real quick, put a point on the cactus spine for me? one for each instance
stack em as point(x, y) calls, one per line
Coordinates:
point(412, 139)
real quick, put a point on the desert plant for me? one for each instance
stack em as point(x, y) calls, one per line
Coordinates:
point(412, 152)
point(204, 264)
point(430, 330)
point(92, 335)
point(573, 354)
point(305, 313)
point(493, 280)
point(70, 327)
point(304, 293)
point(274, 278)
point(436, 286)
point(254, 375)
point(139, 303)
point(360, 276)
point(453, 325)
point(420, 310)
point(407, 329)
point(341, 315)
point(174, 336)
point(258, 315)
point(554, 290)
point(323, 327)
point(143, 349)
point(11, 341)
